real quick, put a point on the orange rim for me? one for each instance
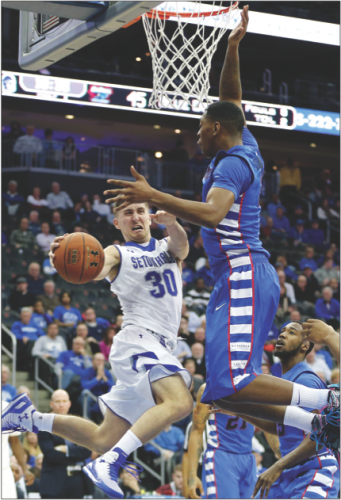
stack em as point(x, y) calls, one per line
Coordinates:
point(152, 14)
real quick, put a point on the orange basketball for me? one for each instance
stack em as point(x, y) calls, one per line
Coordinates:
point(79, 258)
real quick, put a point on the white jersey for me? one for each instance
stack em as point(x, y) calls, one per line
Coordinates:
point(149, 287)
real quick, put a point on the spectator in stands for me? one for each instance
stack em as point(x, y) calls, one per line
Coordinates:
point(34, 279)
point(96, 326)
point(182, 350)
point(73, 363)
point(13, 201)
point(187, 274)
point(298, 215)
point(57, 224)
point(44, 238)
point(335, 286)
point(294, 316)
point(298, 234)
point(281, 223)
point(290, 271)
point(50, 345)
point(321, 353)
point(15, 132)
point(318, 364)
point(175, 487)
point(316, 235)
point(290, 182)
point(206, 274)
point(171, 439)
point(4, 241)
point(327, 272)
point(198, 296)
point(65, 315)
point(99, 381)
point(335, 376)
point(189, 364)
point(35, 201)
point(22, 237)
point(196, 250)
point(267, 229)
point(106, 343)
point(40, 317)
point(51, 149)
point(193, 321)
point(284, 305)
point(199, 335)
point(303, 293)
point(308, 259)
point(89, 217)
point(91, 344)
point(131, 484)
point(103, 209)
point(327, 308)
point(290, 292)
point(58, 199)
point(272, 207)
point(49, 298)
point(34, 224)
point(69, 153)
point(198, 354)
point(311, 281)
point(8, 391)
point(26, 333)
point(325, 212)
point(28, 144)
point(21, 297)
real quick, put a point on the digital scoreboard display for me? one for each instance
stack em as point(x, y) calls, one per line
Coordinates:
point(54, 89)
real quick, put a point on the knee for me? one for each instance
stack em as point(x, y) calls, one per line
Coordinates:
point(184, 406)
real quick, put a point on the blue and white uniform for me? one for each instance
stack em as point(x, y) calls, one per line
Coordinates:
point(317, 477)
point(229, 469)
point(245, 298)
point(149, 288)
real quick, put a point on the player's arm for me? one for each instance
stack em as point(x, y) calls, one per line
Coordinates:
point(230, 88)
point(319, 332)
point(18, 452)
point(209, 214)
point(177, 239)
point(305, 450)
point(184, 464)
point(195, 445)
point(273, 443)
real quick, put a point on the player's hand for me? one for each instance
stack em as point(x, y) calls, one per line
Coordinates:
point(195, 483)
point(162, 217)
point(62, 448)
point(316, 331)
point(239, 31)
point(25, 340)
point(215, 409)
point(130, 192)
point(53, 246)
point(29, 477)
point(266, 480)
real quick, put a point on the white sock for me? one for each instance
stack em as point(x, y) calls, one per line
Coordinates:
point(128, 443)
point(43, 421)
point(315, 399)
point(296, 417)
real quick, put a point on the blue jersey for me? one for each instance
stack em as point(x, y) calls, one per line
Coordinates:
point(231, 434)
point(65, 315)
point(291, 437)
point(239, 170)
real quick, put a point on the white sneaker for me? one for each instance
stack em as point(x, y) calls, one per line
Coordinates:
point(17, 416)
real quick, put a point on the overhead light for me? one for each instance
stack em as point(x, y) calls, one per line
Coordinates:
point(147, 54)
point(138, 59)
point(313, 145)
point(69, 117)
point(157, 126)
point(177, 131)
point(158, 154)
point(82, 138)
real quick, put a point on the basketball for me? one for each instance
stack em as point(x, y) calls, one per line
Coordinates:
point(79, 258)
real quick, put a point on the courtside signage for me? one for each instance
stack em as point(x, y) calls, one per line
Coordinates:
point(85, 93)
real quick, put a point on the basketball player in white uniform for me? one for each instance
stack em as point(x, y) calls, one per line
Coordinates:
point(152, 386)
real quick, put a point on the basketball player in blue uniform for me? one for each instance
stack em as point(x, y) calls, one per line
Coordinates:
point(244, 301)
point(229, 467)
point(317, 476)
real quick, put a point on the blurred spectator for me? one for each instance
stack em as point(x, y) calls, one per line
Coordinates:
point(30, 443)
point(272, 207)
point(267, 230)
point(335, 286)
point(111, 215)
point(65, 314)
point(321, 353)
point(26, 333)
point(49, 345)
point(312, 281)
point(22, 389)
point(193, 321)
point(290, 182)
point(198, 296)
point(199, 335)
point(175, 487)
point(327, 272)
point(329, 254)
point(4, 240)
point(77, 212)
point(98, 380)
point(8, 391)
point(290, 292)
point(51, 149)
point(28, 144)
point(187, 274)
point(335, 376)
point(69, 151)
point(21, 297)
point(57, 224)
point(12, 200)
point(39, 317)
point(34, 199)
point(308, 259)
point(298, 233)
point(196, 250)
point(284, 306)
point(303, 292)
point(290, 271)
point(318, 364)
point(281, 222)
point(49, 298)
point(206, 274)
point(106, 343)
point(89, 216)
point(294, 316)
point(182, 350)
point(198, 354)
point(22, 237)
point(103, 209)
point(171, 439)
point(15, 132)
point(325, 212)
point(58, 199)
point(316, 235)
point(34, 279)
point(327, 308)
point(73, 363)
point(91, 345)
point(178, 154)
point(34, 224)
point(44, 238)
point(189, 364)
point(96, 326)
point(298, 215)
point(131, 484)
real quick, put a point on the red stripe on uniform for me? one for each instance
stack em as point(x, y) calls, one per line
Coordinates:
point(310, 483)
point(221, 248)
point(228, 335)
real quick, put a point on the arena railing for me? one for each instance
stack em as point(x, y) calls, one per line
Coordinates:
point(38, 380)
point(12, 355)
point(86, 395)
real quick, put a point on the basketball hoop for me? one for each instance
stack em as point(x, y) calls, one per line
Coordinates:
point(181, 64)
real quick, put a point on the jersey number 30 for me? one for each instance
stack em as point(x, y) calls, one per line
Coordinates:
point(159, 284)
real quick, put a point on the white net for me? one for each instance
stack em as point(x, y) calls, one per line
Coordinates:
point(182, 57)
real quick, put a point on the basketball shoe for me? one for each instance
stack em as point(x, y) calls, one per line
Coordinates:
point(104, 471)
point(326, 426)
point(18, 416)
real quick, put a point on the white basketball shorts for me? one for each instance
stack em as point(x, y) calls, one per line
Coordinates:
point(139, 357)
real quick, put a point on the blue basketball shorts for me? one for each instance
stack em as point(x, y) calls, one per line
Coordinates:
point(239, 316)
point(227, 475)
point(318, 477)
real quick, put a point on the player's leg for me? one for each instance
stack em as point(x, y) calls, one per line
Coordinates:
point(319, 483)
point(248, 476)
point(222, 474)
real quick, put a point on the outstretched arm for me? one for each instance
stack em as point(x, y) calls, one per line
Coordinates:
point(177, 239)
